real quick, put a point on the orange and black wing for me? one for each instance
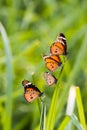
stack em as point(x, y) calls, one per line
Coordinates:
point(56, 58)
point(52, 62)
point(50, 79)
point(52, 65)
point(31, 94)
point(30, 91)
point(59, 47)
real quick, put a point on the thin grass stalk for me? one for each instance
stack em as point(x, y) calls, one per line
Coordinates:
point(43, 116)
point(9, 81)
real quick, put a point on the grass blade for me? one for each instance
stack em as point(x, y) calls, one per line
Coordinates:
point(64, 123)
point(71, 101)
point(43, 117)
point(9, 84)
point(76, 122)
point(53, 109)
point(73, 74)
point(80, 108)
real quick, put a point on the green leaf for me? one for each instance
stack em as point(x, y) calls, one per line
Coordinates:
point(73, 74)
point(76, 122)
point(64, 123)
point(9, 81)
point(53, 109)
point(80, 108)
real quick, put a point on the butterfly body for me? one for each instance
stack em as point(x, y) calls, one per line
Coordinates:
point(30, 91)
point(59, 47)
point(50, 79)
point(52, 62)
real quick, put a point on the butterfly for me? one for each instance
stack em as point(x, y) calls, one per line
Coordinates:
point(52, 62)
point(50, 79)
point(30, 91)
point(59, 47)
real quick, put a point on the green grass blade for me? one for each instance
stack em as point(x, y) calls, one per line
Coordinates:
point(9, 82)
point(76, 122)
point(43, 117)
point(80, 108)
point(64, 123)
point(73, 74)
point(53, 109)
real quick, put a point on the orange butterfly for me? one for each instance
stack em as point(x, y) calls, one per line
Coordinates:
point(59, 47)
point(50, 79)
point(52, 62)
point(30, 91)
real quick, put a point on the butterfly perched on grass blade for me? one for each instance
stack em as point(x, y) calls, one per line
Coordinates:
point(52, 62)
point(59, 47)
point(50, 79)
point(30, 91)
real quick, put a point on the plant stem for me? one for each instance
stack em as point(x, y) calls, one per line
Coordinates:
point(43, 116)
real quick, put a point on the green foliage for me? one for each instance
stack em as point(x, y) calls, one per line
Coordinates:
point(27, 30)
point(80, 108)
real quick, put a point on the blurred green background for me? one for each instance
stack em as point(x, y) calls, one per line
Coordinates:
point(31, 27)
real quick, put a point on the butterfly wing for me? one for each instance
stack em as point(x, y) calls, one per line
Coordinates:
point(59, 47)
point(56, 58)
point(31, 94)
point(52, 62)
point(52, 66)
point(30, 91)
point(50, 79)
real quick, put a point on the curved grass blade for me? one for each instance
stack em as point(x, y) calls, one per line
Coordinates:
point(9, 77)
